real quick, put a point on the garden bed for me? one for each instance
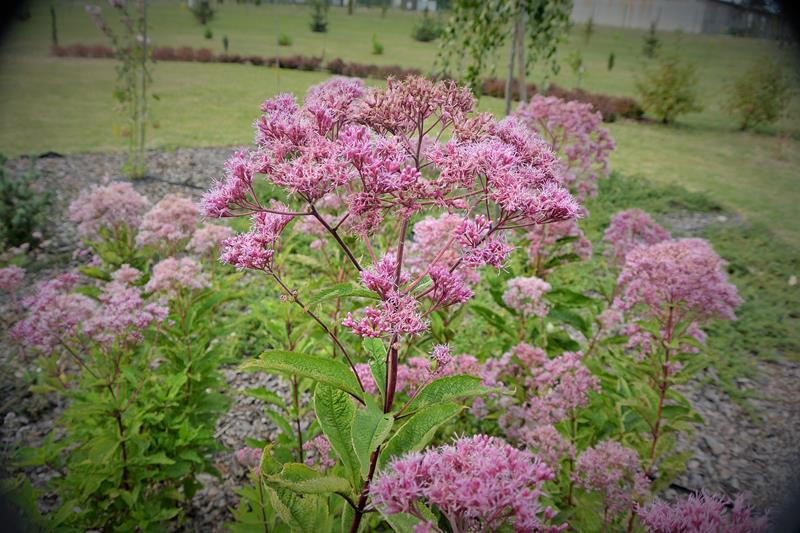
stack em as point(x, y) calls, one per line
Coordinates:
point(735, 451)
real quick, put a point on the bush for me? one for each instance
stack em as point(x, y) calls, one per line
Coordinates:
point(336, 66)
point(203, 12)
point(611, 58)
point(207, 33)
point(427, 29)
point(231, 58)
point(204, 55)
point(761, 95)
point(23, 208)
point(164, 53)
point(284, 40)
point(669, 90)
point(184, 53)
point(319, 16)
point(377, 46)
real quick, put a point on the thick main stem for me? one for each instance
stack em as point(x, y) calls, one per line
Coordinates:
point(662, 392)
point(296, 398)
point(391, 385)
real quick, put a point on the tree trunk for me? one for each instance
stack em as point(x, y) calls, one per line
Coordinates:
point(510, 78)
point(522, 21)
point(350, 5)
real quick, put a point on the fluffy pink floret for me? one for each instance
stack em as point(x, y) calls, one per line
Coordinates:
point(614, 471)
point(172, 275)
point(525, 296)
point(684, 275)
point(318, 452)
point(11, 277)
point(170, 221)
point(109, 207)
point(631, 229)
point(207, 240)
point(703, 513)
point(574, 131)
point(54, 315)
point(122, 316)
point(398, 315)
point(479, 483)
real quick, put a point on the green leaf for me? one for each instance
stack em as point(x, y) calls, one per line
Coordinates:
point(279, 420)
point(300, 478)
point(418, 431)
point(567, 297)
point(296, 511)
point(445, 389)
point(267, 396)
point(339, 291)
point(323, 370)
point(335, 412)
point(371, 426)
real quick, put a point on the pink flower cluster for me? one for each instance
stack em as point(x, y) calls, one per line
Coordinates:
point(548, 444)
point(677, 280)
point(573, 130)
point(11, 277)
point(478, 483)
point(172, 275)
point(123, 314)
point(612, 470)
point(207, 239)
point(249, 457)
point(111, 206)
point(631, 229)
point(525, 296)
point(703, 513)
point(173, 219)
point(357, 155)
point(319, 453)
point(419, 371)
point(54, 314)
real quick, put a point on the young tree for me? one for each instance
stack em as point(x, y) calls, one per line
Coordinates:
point(133, 74)
point(761, 95)
point(477, 29)
point(669, 90)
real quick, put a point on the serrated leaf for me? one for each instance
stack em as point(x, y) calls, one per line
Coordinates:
point(335, 412)
point(445, 389)
point(371, 426)
point(296, 511)
point(300, 478)
point(418, 431)
point(320, 369)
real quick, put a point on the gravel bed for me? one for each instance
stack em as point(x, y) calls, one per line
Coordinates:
point(734, 451)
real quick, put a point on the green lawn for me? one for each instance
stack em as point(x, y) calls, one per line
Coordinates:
point(65, 105)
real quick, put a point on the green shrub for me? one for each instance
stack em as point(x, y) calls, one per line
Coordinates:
point(207, 33)
point(284, 40)
point(669, 90)
point(611, 58)
point(427, 29)
point(22, 208)
point(377, 46)
point(761, 95)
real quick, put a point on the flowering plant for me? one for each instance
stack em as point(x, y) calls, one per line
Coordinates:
point(135, 353)
point(358, 167)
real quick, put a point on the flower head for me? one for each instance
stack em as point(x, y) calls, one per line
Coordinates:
point(524, 295)
point(170, 221)
point(207, 239)
point(11, 277)
point(612, 470)
point(172, 275)
point(479, 483)
point(703, 513)
point(631, 229)
point(109, 207)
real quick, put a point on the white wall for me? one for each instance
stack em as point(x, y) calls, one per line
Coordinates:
point(686, 15)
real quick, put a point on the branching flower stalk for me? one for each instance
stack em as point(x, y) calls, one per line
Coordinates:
point(370, 160)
